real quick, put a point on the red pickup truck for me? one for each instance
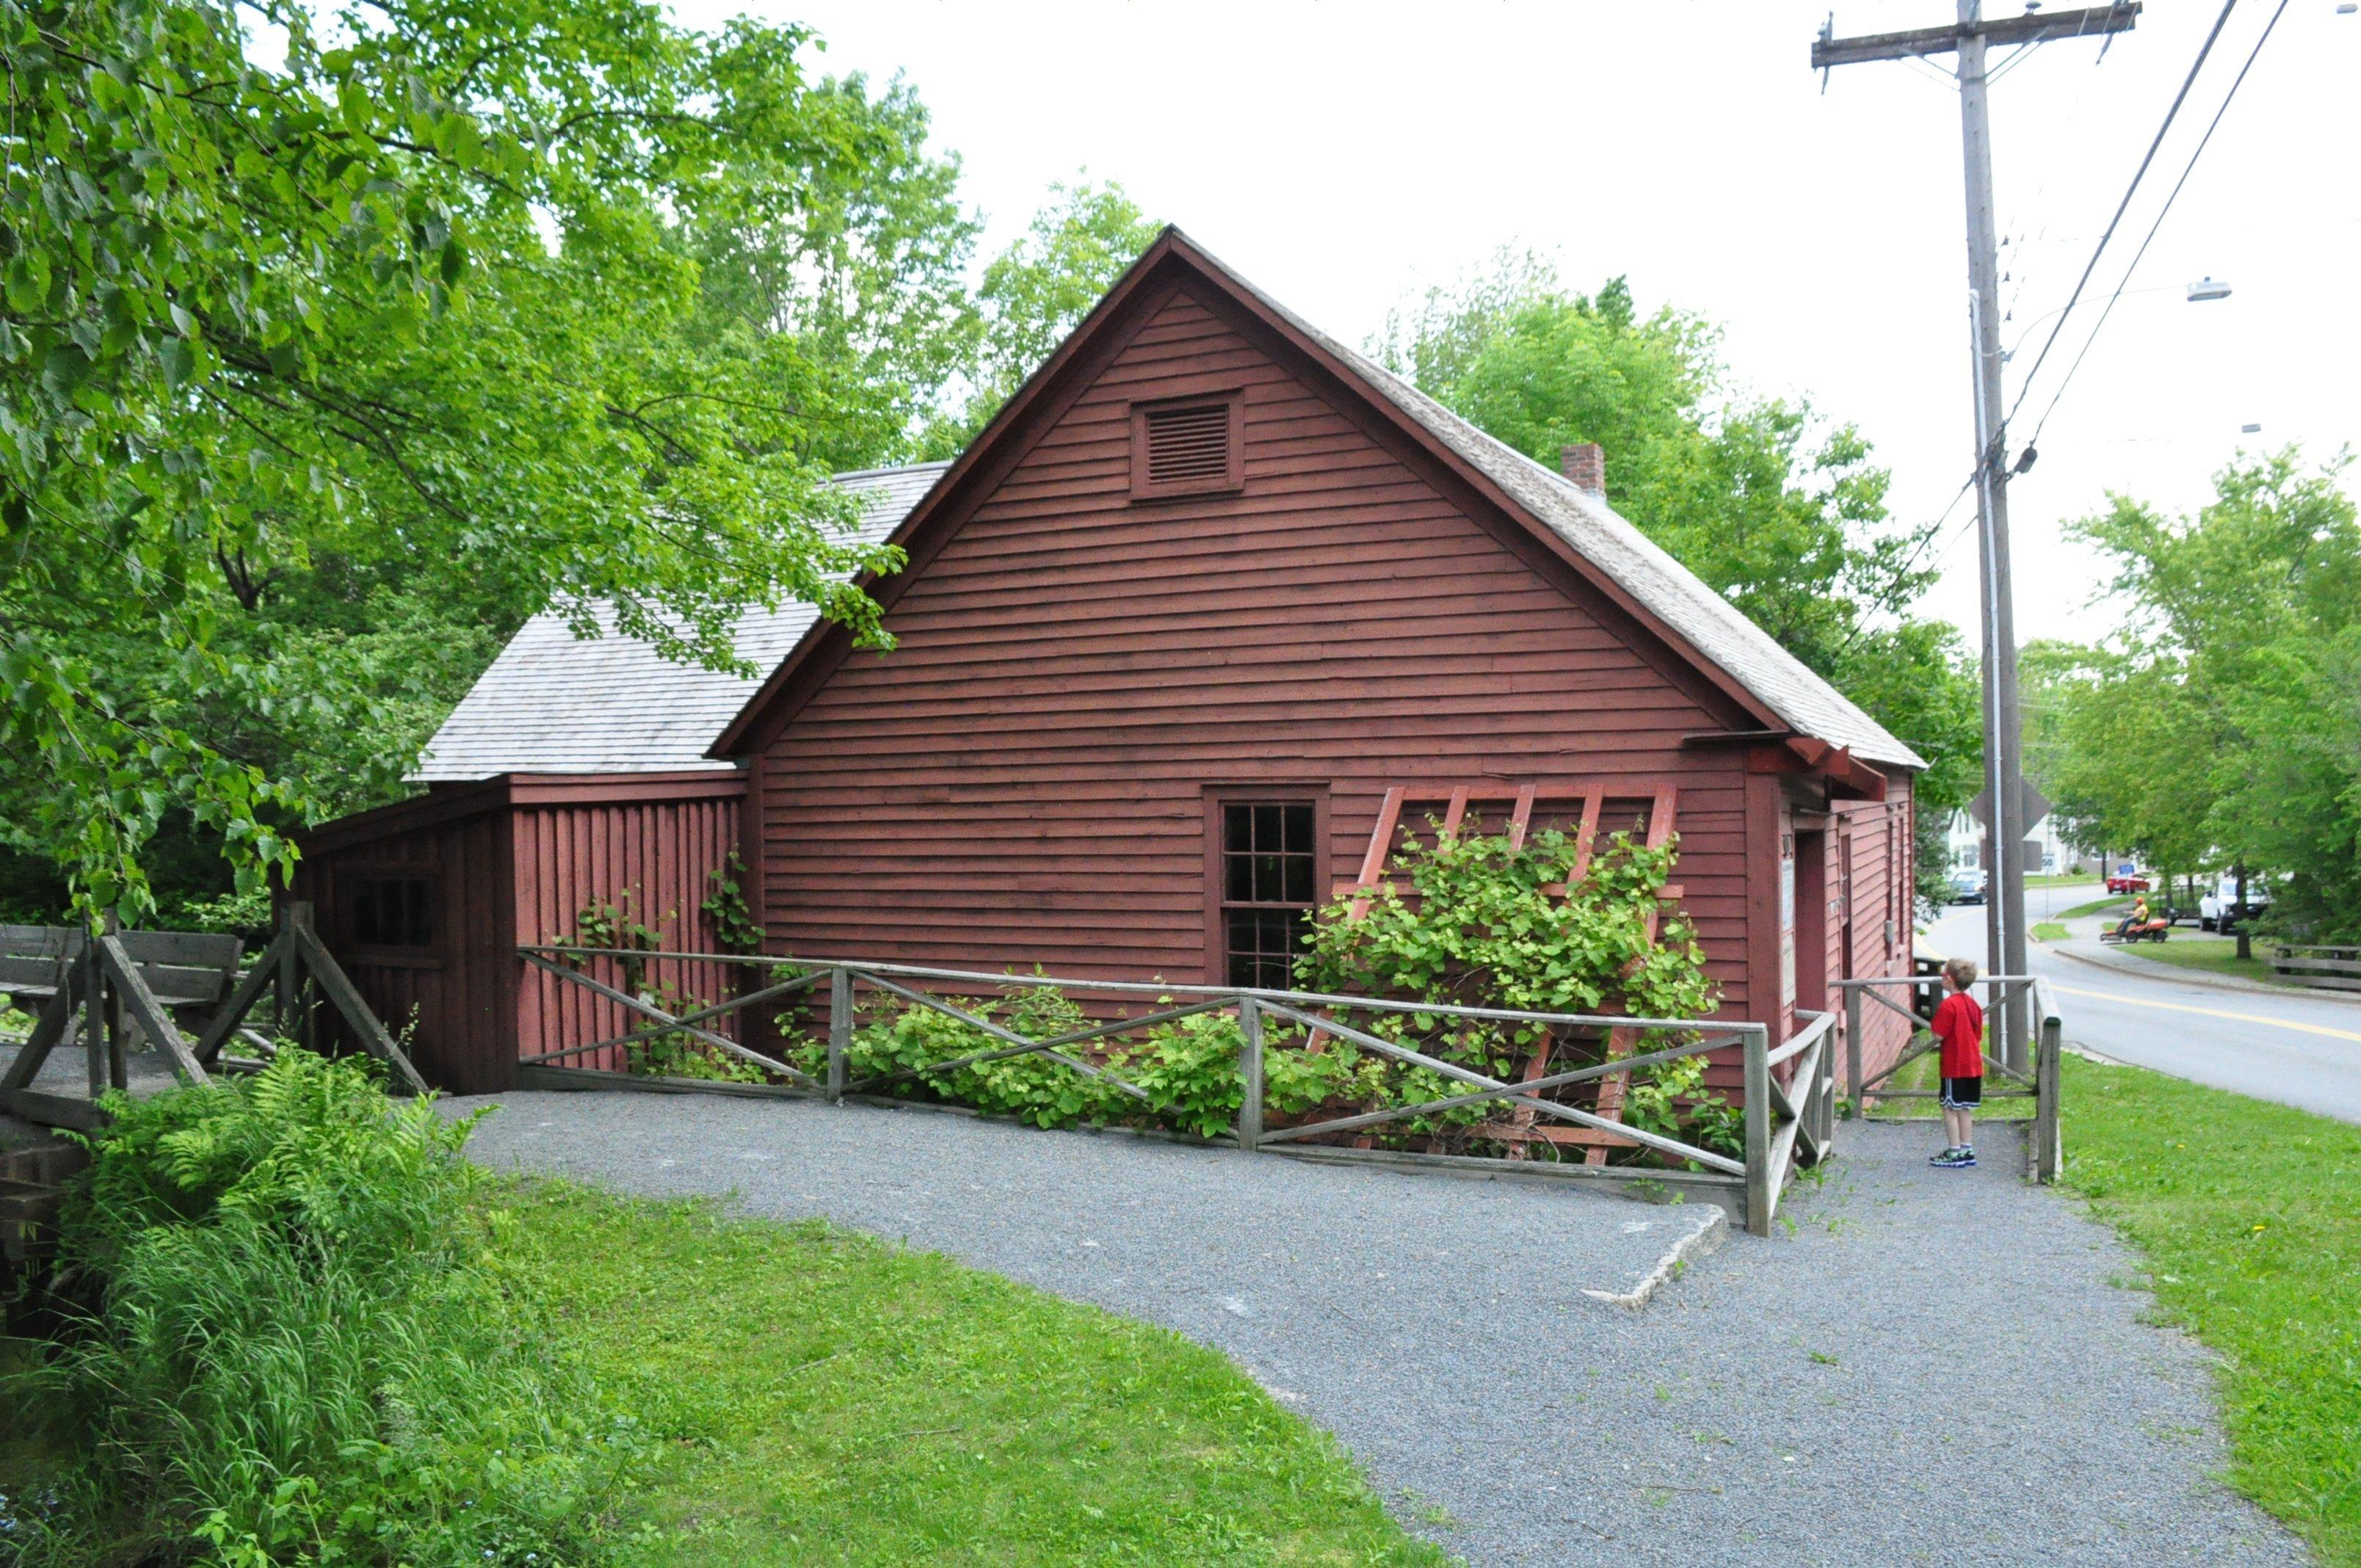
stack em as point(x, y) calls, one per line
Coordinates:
point(2127, 885)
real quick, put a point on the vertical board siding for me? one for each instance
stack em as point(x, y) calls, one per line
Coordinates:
point(519, 873)
point(652, 858)
point(1022, 780)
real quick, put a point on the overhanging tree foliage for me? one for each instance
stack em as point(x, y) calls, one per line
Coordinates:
point(1782, 513)
point(1037, 290)
point(326, 368)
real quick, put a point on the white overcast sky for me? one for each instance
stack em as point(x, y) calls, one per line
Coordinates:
point(1344, 155)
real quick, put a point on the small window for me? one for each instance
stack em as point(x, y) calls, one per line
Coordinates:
point(391, 912)
point(1269, 858)
point(1187, 447)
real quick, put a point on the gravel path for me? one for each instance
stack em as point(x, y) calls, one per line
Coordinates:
point(1928, 1367)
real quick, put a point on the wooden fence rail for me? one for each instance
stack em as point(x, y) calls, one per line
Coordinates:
point(2328, 968)
point(2044, 1148)
point(1789, 1114)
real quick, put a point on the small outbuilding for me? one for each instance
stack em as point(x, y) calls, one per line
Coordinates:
point(1211, 586)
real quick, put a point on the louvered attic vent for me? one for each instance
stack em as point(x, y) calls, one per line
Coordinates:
point(1186, 448)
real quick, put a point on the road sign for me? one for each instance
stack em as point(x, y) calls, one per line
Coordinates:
point(2037, 805)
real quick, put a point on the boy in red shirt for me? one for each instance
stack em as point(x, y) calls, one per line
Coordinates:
point(1960, 1026)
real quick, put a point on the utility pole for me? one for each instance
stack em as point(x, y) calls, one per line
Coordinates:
point(1970, 38)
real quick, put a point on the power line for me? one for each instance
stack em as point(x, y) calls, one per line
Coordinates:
point(1925, 539)
point(2138, 175)
point(2124, 281)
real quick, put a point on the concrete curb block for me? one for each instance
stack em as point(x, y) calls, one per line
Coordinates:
point(1695, 1244)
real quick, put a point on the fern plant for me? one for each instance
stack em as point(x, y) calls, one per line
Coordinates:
point(301, 1343)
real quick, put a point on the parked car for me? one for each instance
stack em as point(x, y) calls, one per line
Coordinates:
point(2125, 882)
point(1967, 887)
point(2218, 908)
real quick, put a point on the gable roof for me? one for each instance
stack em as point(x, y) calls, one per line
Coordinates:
point(553, 703)
point(1698, 623)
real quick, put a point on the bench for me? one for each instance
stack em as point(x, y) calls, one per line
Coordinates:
point(183, 969)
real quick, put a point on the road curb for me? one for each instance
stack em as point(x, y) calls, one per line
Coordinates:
point(1695, 1244)
point(2152, 970)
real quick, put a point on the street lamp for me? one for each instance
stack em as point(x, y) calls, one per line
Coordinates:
point(2208, 288)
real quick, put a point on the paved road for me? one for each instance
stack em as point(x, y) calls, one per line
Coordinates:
point(1924, 1366)
point(2299, 1049)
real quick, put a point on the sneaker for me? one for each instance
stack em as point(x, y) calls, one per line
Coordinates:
point(1950, 1152)
point(1955, 1159)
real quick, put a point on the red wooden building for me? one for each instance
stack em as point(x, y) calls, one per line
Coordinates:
point(1211, 583)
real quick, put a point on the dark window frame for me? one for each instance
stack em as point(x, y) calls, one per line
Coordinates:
point(1233, 479)
point(1218, 904)
point(347, 883)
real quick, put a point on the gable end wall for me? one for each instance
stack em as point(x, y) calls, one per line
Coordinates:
point(1024, 779)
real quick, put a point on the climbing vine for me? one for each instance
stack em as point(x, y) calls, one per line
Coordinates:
point(1474, 920)
point(672, 1053)
point(734, 927)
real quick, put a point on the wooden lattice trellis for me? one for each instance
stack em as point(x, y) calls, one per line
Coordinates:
point(1521, 1127)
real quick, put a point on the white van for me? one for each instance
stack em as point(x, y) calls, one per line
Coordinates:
point(2218, 908)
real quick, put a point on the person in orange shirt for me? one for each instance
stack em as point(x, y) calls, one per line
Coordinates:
point(1960, 1026)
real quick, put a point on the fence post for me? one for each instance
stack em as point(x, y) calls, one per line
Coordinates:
point(839, 1028)
point(1853, 1106)
point(1249, 1073)
point(1759, 1194)
point(92, 979)
point(2048, 1148)
point(1824, 1098)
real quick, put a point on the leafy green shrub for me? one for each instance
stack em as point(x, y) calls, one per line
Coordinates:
point(1492, 923)
point(301, 1343)
point(1492, 926)
point(1188, 1067)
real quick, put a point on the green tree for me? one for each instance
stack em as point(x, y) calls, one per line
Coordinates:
point(1780, 512)
point(2223, 729)
point(317, 373)
point(1038, 289)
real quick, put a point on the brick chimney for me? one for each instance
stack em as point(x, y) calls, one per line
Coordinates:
point(1586, 464)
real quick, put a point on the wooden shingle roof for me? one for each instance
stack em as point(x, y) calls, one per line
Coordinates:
point(553, 703)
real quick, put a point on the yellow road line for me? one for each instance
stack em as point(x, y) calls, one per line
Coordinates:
point(2209, 1013)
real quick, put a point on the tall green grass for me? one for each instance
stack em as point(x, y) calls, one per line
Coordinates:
point(299, 1341)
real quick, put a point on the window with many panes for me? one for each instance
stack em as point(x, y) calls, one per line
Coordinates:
point(389, 910)
point(1269, 859)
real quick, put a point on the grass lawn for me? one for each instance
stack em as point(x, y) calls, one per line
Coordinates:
point(2249, 1215)
point(1925, 1073)
point(2096, 905)
point(2214, 955)
point(823, 1396)
point(2049, 931)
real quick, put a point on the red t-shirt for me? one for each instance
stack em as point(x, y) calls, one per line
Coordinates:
point(1959, 1024)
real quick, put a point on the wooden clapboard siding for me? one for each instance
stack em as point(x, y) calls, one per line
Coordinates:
point(1881, 909)
point(1023, 778)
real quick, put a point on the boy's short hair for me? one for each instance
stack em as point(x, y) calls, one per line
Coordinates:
point(1961, 970)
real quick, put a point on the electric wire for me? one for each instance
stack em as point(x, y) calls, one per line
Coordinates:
point(2123, 284)
point(2121, 207)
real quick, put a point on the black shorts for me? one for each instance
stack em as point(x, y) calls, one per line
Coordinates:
point(1962, 1093)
